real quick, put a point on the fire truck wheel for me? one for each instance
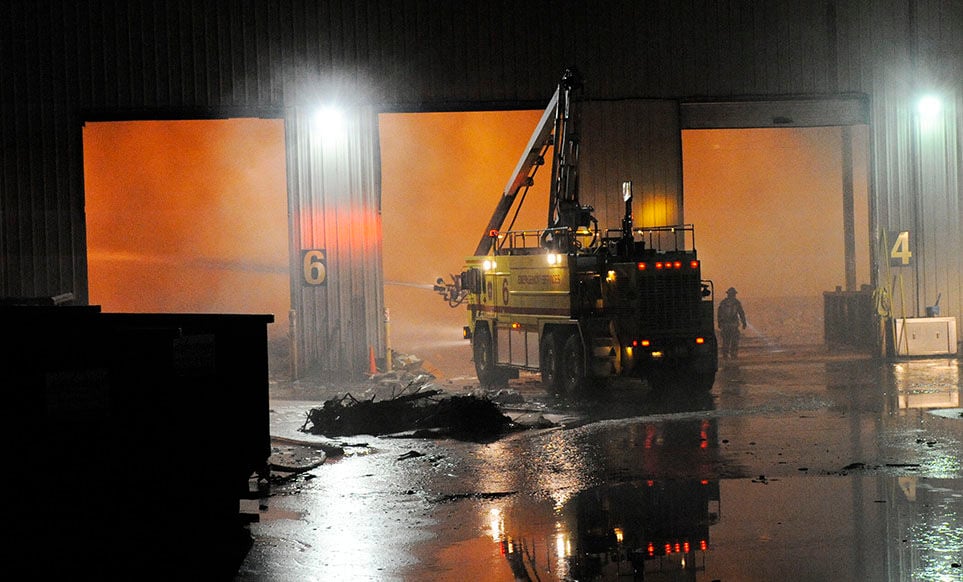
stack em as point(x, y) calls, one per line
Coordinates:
point(681, 379)
point(549, 362)
point(488, 374)
point(571, 368)
point(703, 381)
point(701, 374)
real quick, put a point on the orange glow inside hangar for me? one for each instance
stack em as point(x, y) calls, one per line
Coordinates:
point(191, 216)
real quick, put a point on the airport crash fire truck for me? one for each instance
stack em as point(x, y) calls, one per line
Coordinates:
point(575, 303)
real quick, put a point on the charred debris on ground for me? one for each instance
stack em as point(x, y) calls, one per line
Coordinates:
point(414, 408)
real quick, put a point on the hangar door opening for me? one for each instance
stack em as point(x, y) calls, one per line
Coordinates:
point(441, 177)
point(769, 207)
point(188, 217)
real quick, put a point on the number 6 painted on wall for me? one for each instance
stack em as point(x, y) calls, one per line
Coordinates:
point(314, 266)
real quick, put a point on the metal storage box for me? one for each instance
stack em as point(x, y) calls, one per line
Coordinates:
point(925, 336)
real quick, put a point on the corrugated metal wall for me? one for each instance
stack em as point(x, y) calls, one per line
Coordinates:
point(940, 224)
point(911, 49)
point(919, 179)
point(632, 140)
point(63, 62)
point(334, 197)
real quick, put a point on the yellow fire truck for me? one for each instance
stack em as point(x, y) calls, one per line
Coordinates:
point(577, 303)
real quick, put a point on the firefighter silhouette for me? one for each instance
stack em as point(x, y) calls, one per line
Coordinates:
point(730, 315)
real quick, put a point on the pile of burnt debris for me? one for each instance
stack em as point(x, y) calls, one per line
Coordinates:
point(409, 405)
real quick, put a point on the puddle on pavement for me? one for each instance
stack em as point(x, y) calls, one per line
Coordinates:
point(710, 516)
point(926, 384)
point(864, 527)
point(266, 510)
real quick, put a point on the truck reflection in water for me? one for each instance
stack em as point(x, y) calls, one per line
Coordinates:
point(648, 529)
point(647, 517)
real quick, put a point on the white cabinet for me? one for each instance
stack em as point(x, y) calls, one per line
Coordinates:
point(925, 336)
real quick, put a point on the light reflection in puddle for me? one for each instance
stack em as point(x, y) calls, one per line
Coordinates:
point(926, 384)
point(856, 527)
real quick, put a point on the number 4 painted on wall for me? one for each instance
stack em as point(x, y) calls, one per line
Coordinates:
point(899, 253)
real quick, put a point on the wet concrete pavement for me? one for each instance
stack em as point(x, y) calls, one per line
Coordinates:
point(796, 465)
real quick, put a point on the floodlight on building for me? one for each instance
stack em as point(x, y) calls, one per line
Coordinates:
point(329, 122)
point(929, 108)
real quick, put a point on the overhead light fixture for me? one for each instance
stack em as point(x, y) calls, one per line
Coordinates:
point(929, 105)
point(329, 122)
point(930, 111)
point(929, 108)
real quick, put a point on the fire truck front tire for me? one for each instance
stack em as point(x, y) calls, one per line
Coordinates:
point(571, 368)
point(484, 355)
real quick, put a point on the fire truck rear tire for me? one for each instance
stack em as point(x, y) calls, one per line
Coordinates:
point(694, 381)
point(548, 364)
point(571, 368)
point(682, 378)
point(703, 381)
point(703, 373)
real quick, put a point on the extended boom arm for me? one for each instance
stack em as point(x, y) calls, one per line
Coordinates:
point(556, 117)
